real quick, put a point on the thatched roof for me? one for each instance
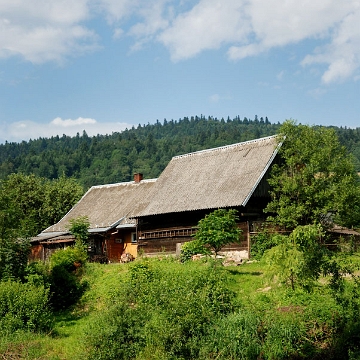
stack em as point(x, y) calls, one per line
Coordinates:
point(107, 206)
point(216, 178)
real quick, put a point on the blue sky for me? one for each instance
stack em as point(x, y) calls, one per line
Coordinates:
point(104, 65)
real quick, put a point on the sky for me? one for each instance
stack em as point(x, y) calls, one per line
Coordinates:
point(106, 65)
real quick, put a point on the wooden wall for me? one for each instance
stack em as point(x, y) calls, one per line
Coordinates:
point(165, 240)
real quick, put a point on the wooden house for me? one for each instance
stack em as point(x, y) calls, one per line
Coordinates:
point(158, 215)
point(109, 209)
point(193, 185)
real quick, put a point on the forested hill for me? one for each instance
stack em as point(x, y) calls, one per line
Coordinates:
point(104, 159)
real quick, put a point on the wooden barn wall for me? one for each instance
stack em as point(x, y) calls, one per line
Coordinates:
point(161, 243)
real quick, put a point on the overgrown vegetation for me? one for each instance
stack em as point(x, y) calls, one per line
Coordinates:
point(30, 204)
point(316, 180)
point(164, 309)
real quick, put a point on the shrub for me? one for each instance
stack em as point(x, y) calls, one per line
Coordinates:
point(191, 248)
point(65, 283)
point(68, 258)
point(263, 241)
point(298, 258)
point(164, 308)
point(24, 307)
point(13, 258)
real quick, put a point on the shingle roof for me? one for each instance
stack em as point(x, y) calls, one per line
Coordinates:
point(221, 177)
point(107, 205)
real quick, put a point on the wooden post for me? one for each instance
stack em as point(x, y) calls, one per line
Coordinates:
point(248, 239)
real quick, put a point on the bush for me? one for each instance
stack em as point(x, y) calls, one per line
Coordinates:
point(263, 241)
point(162, 310)
point(69, 258)
point(191, 248)
point(65, 285)
point(13, 258)
point(24, 307)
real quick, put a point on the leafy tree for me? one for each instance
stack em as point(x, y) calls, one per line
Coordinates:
point(299, 258)
point(29, 204)
point(60, 195)
point(315, 181)
point(218, 229)
point(13, 258)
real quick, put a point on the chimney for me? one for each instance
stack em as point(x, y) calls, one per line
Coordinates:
point(138, 177)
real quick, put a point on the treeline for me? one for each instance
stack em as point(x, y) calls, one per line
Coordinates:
point(146, 148)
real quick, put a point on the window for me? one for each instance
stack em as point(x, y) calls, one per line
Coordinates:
point(133, 238)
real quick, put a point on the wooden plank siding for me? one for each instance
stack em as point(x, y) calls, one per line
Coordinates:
point(164, 240)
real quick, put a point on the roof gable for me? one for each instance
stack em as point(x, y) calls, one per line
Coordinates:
point(221, 177)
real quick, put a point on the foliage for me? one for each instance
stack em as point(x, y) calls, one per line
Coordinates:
point(13, 258)
point(68, 258)
point(29, 204)
point(65, 283)
point(191, 248)
point(218, 229)
point(159, 310)
point(263, 241)
point(116, 320)
point(79, 228)
point(299, 257)
point(316, 180)
point(235, 336)
point(23, 307)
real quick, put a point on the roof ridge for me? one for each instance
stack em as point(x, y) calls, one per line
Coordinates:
point(123, 183)
point(224, 147)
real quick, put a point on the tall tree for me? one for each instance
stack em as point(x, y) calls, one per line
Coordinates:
point(316, 180)
point(29, 204)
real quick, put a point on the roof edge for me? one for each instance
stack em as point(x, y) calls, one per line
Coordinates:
point(224, 147)
point(266, 168)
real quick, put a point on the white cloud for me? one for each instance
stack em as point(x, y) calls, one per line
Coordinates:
point(317, 93)
point(208, 25)
point(280, 75)
point(53, 30)
point(71, 123)
point(343, 53)
point(118, 33)
point(41, 31)
point(26, 130)
point(251, 27)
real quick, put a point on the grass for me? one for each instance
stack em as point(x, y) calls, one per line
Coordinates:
point(248, 281)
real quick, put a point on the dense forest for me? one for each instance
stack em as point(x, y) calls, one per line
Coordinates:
point(146, 148)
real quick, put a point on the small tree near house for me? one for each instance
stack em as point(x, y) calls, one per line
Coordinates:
point(218, 229)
